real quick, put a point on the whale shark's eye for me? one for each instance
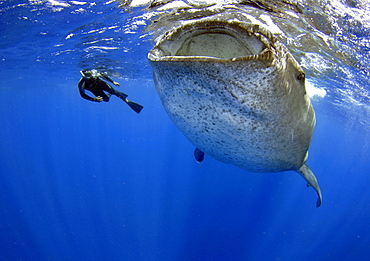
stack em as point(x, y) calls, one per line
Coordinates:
point(301, 76)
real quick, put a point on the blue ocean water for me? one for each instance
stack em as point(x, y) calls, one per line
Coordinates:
point(95, 181)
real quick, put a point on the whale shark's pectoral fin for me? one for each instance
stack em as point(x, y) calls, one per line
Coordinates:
point(307, 174)
point(199, 155)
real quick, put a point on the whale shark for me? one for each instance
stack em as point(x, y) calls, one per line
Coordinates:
point(237, 94)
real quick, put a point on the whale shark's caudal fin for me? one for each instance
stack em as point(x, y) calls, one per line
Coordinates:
point(307, 174)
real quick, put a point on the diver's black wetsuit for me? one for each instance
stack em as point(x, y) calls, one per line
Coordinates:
point(97, 87)
point(91, 82)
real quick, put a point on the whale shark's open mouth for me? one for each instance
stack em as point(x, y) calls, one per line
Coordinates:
point(217, 42)
point(214, 40)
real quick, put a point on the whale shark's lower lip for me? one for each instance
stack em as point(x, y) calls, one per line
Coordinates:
point(215, 40)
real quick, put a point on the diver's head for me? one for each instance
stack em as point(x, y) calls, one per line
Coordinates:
point(90, 73)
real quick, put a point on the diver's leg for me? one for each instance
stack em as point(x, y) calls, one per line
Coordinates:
point(121, 95)
point(102, 94)
point(134, 106)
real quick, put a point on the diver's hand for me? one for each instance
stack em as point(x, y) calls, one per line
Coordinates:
point(116, 83)
point(98, 99)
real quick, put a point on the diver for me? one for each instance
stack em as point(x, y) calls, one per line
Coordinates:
point(91, 81)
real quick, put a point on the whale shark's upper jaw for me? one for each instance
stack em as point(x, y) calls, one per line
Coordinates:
point(215, 40)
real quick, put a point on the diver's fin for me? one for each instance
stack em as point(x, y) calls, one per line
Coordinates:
point(199, 155)
point(134, 106)
point(307, 174)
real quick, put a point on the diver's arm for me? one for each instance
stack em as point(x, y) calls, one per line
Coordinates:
point(81, 88)
point(106, 77)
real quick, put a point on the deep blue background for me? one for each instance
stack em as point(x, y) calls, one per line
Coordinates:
point(88, 181)
point(95, 181)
